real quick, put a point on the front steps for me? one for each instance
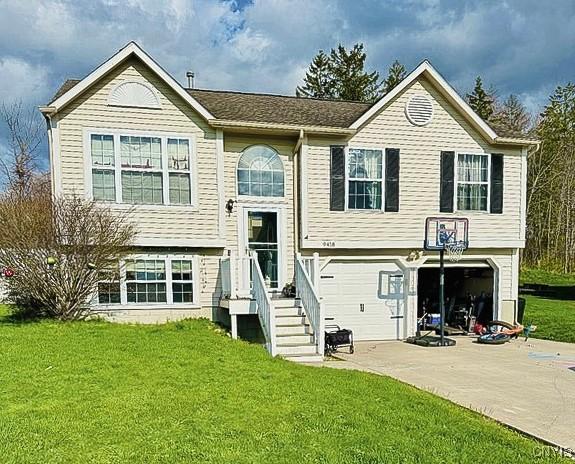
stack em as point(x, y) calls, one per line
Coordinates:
point(294, 336)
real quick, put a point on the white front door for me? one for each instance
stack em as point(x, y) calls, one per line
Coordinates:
point(365, 296)
point(261, 232)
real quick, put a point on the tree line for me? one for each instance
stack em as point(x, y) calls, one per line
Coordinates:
point(341, 74)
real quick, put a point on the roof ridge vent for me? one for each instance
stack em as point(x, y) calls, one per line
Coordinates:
point(419, 109)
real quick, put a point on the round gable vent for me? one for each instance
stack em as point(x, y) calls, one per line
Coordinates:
point(419, 109)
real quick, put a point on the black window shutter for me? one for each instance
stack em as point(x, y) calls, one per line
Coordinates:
point(337, 178)
point(446, 187)
point(496, 183)
point(392, 179)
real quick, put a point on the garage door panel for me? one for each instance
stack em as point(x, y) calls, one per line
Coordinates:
point(366, 297)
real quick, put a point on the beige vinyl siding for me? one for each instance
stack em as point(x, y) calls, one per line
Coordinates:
point(91, 110)
point(234, 145)
point(210, 285)
point(420, 149)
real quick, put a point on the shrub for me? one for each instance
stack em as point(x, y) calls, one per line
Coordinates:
point(57, 249)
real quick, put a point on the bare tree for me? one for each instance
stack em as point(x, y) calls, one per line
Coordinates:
point(57, 250)
point(26, 131)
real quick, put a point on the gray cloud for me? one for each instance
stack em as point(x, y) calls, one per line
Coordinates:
point(519, 46)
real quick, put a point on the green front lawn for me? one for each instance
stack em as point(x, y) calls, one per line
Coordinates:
point(184, 392)
point(551, 309)
point(555, 319)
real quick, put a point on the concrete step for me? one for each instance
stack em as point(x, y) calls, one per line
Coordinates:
point(304, 358)
point(289, 320)
point(294, 329)
point(288, 311)
point(294, 339)
point(298, 348)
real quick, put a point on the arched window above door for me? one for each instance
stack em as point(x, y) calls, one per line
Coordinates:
point(260, 172)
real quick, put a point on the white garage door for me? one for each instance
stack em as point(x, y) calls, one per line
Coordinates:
point(365, 296)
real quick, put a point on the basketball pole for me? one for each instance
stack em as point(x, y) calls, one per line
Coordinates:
point(441, 296)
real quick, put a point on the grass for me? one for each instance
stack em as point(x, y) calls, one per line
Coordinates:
point(95, 392)
point(555, 319)
point(551, 309)
point(540, 276)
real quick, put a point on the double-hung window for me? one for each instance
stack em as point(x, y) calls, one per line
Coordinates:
point(146, 279)
point(103, 169)
point(365, 178)
point(138, 169)
point(141, 170)
point(109, 286)
point(179, 170)
point(472, 182)
point(182, 281)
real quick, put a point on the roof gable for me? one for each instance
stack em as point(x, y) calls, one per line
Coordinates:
point(73, 88)
point(427, 70)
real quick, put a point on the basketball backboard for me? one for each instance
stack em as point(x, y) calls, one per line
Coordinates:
point(440, 232)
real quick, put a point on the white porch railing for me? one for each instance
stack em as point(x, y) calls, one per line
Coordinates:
point(227, 279)
point(235, 275)
point(308, 291)
point(264, 303)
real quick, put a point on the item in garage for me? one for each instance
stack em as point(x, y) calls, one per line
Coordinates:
point(493, 339)
point(506, 328)
point(430, 340)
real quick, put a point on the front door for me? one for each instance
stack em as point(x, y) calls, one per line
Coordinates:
point(262, 236)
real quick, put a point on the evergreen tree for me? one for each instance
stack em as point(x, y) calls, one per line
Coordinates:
point(512, 116)
point(351, 80)
point(341, 75)
point(318, 81)
point(395, 75)
point(482, 102)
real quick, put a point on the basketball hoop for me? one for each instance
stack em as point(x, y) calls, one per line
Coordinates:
point(445, 234)
point(455, 250)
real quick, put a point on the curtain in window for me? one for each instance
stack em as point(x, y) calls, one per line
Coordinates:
point(141, 152)
point(472, 182)
point(365, 164)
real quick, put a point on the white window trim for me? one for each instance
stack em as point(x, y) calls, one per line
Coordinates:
point(259, 199)
point(456, 183)
point(348, 179)
point(169, 304)
point(165, 170)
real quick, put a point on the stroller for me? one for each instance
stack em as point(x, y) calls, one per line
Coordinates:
point(336, 337)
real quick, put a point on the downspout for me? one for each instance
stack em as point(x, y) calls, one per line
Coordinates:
point(296, 168)
point(48, 119)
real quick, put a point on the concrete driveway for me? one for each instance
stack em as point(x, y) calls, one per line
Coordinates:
point(527, 385)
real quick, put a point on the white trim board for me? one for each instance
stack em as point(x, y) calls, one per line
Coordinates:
point(178, 242)
point(123, 54)
point(414, 244)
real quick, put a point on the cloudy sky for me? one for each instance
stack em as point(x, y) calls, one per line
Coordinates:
point(526, 47)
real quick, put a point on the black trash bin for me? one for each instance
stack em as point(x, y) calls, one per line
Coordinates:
point(520, 310)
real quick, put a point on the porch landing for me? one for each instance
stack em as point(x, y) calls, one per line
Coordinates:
point(526, 385)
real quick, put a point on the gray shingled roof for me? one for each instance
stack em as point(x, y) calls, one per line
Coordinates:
point(64, 88)
point(282, 109)
point(279, 109)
